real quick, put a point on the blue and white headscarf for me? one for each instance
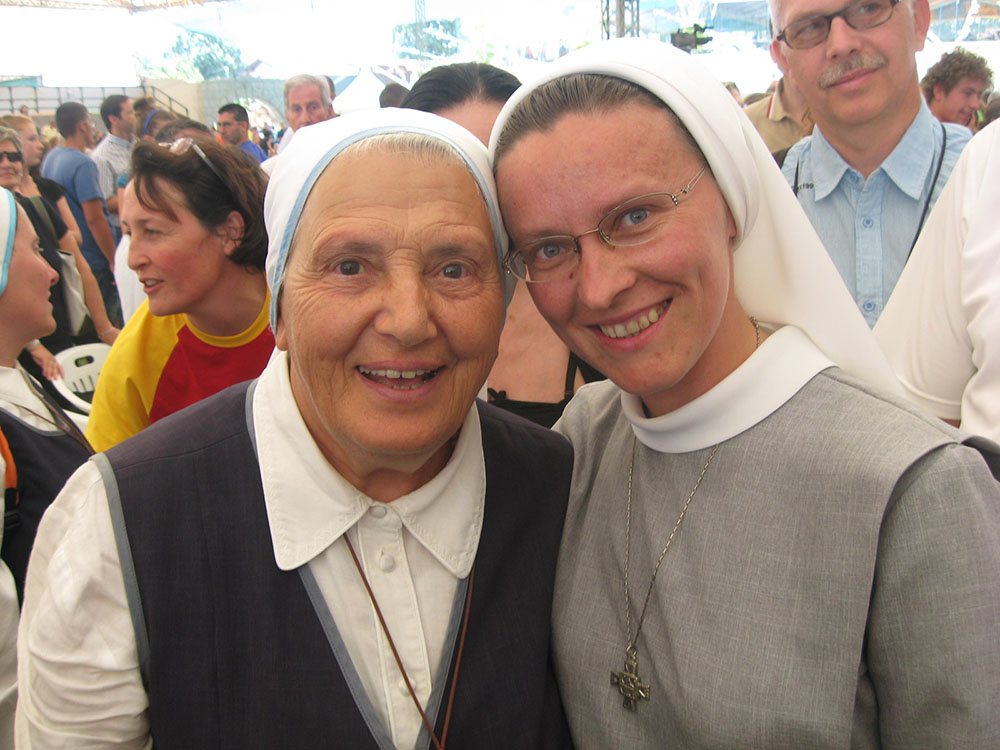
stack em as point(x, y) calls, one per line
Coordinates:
point(314, 147)
point(8, 228)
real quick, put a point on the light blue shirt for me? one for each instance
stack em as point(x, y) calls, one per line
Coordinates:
point(869, 226)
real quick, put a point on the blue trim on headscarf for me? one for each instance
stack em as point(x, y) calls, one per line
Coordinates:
point(496, 223)
point(9, 242)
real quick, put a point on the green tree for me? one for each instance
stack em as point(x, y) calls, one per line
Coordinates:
point(196, 56)
point(427, 40)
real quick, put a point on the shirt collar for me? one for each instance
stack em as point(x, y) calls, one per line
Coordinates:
point(112, 138)
point(310, 505)
point(906, 165)
point(910, 161)
point(776, 109)
point(785, 362)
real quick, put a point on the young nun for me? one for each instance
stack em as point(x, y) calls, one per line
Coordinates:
point(764, 547)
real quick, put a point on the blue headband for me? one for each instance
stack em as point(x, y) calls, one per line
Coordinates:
point(8, 227)
point(145, 123)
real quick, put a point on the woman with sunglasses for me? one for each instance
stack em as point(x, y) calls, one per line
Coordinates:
point(195, 215)
point(32, 182)
point(53, 237)
point(764, 547)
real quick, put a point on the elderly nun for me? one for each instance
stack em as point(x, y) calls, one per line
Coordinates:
point(764, 547)
point(349, 551)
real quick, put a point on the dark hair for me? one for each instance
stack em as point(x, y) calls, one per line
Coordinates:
point(205, 195)
point(238, 111)
point(112, 106)
point(447, 85)
point(581, 92)
point(168, 133)
point(953, 67)
point(393, 95)
point(69, 116)
point(991, 113)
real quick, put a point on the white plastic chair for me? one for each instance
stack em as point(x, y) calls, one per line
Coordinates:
point(81, 366)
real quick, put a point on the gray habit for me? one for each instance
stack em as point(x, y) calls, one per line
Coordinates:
point(835, 583)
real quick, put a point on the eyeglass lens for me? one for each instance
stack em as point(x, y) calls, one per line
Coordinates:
point(14, 157)
point(809, 32)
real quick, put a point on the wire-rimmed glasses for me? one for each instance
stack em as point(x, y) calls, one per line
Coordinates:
point(634, 222)
point(863, 14)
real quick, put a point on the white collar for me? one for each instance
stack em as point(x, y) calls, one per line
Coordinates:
point(310, 505)
point(17, 397)
point(785, 362)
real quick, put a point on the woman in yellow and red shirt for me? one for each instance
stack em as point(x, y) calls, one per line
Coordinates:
point(198, 244)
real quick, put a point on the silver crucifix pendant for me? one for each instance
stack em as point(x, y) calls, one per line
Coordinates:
point(628, 683)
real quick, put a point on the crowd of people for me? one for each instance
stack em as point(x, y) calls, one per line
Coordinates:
point(602, 411)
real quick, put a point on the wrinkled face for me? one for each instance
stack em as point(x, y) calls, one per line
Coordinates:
point(31, 145)
point(959, 104)
point(178, 260)
point(232, 131)
point(855, 77)
point(475, 115)
point(649, 316)
point(124, 125)
point(305, 107)
point(24, 306)
point(10, 171)
point(391, 308)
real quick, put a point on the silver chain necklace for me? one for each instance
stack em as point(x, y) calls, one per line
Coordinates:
point(628, 682)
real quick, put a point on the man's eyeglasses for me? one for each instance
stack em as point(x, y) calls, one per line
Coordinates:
point(634, 222)
point(864, 14)
point(14, 157)
point(183, 145)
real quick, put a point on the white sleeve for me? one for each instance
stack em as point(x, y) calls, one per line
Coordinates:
point(78, 671)
point(936, 328)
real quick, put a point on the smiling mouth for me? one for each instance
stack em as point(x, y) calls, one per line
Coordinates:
point(637, 324)
point(401, 380)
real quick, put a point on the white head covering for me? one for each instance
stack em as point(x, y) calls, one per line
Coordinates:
point(8, 228)
point(312, 150)
point(783, 274)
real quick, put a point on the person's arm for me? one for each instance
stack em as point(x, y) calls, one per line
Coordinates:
point(93, 211)
point(92, 294)
point(934, 618)
point(51, 368)
point(67, 216)
point(78, 664)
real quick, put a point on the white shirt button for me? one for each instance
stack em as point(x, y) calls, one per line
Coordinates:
point(387, 563)
point(379, 511)
point(402, 687)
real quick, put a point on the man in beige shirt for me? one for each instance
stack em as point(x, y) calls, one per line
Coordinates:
point(782, 117)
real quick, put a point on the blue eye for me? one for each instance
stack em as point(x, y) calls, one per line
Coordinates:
point(549, 251)
point(634, 216)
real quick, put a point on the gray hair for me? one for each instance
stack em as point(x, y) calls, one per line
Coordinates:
point(9, 134)
point(304, 79)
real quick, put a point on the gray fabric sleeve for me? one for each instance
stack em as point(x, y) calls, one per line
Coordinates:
point(934, 621)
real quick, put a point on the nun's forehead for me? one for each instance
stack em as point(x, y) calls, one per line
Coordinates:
point(429, 151)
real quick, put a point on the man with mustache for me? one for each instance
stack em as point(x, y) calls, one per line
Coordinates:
point(877, 159)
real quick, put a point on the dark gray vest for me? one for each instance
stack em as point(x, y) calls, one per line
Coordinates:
point(234, 653)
